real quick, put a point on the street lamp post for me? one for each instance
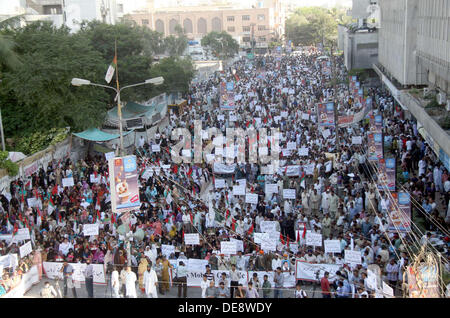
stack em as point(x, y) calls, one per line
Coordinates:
point(1, 128)
point(79, 82)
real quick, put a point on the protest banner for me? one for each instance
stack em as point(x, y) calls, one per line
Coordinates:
point(228, 248)
point(271, 188)
point(326, 133)
point(289, 194)
point(67, 182)
point(332, 246)
point(268, 245)
point(239, 244)
point(156, 148)
point(52, 271)
point(352, 257)
point(90, 229)
point(191, 239)
point(93, 179)
point(387, 174)
point(167, 250)
point(314, 272)
point(259, 237)
point(268, 226)
point(251, 198)
point(25, 249)
point(303, 151)
point(28, 279)
point(371, 279)
point(399, 212)
point(9, 260)
point(219, 183)
point(388, 292)
point(239, 190)
point(224, 169)
point(313, 239)
point(194, 278)
point(22, 235)
point(291, 145)
point(194, 264)
point(356, 140)
point(32, 202)
point(123, 177)
point(325, 113)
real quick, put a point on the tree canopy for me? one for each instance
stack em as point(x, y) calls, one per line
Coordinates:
point(313, 25)
point(221, 44)
point(38, 61)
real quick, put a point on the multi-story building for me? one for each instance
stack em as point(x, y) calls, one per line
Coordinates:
point(359, 41)
point(67, 12)
point(261, 23)
point(414, 52)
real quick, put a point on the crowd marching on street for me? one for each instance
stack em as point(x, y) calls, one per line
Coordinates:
point(336, 195)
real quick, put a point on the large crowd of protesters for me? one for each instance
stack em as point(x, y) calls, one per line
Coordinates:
point(341, 201)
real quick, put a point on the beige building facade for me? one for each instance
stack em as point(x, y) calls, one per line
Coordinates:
point(260, 23)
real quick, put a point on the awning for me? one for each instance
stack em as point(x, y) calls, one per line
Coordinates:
point(94, 134)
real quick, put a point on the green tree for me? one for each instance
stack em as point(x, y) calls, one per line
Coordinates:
point(37, 95)
point(175, 45)
point(313, 25)
point(177, 72)
point(221, 44)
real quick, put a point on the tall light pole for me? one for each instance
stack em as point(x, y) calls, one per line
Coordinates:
point(1, 128)
point(155, 81)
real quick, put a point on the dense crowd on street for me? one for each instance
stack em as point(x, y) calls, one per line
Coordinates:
point(336, 194)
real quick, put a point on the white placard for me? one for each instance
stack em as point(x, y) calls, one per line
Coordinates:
point(271, 188)
point(167, 249)
point(67, 182)
point(238, 190)
point(109, 155)
point(221, 117)
point(186, 153)
point(305, 116)
point(313, 239)
point(307, 271)
point(233, 118)
point(147, 174)
point(289, 194)
point(258, 120)
point(260, 237)
point(228, 248)
point(31, 202)
point(293, 247)
point(291, 145)
point(263, 151)
point(303, 151)
point(328, 166)
point(284, 114)
point(219, 183)
point(277, 118)
point(353, 257)
point(268, 245)
point(90, 229)
point(93, 179)
point(371, 280)
point(229, 152)
point(25, 249)
point(194, 264)
point(326, 133)
point(332, 246)
point(53, 270)
point(21, 235)
point(156, 148)
point(239, 244)
point(356, 140)
point(251, 198)
point(218, 141)
point(210, 157)
point(191, 239)
point(268, 226)
point(387, 290)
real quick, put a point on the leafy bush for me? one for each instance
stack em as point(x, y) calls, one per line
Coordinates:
point(433, 103)
point(445, 122)
point(38, 141)
point(11, 167)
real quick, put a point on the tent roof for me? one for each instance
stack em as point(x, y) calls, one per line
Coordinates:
point(132, 110)
point(94, 134)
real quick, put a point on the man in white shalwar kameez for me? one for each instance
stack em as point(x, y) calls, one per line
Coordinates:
point(150, 282)
point(130, 283)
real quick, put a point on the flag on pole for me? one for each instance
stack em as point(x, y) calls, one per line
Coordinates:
point(111, 69)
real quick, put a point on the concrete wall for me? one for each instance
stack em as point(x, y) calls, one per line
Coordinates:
point(360, 49)
point(398, 41)
point(359, 9)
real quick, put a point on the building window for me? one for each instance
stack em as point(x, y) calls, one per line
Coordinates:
point(245, 18)
point(261, 27)
point(262, 39)
point(52, 9)
point(246, 39)
point(120, 8)
point(246, 28)
point(231, 29)
point(261, 17)
point(230, 19)
point(145, 22)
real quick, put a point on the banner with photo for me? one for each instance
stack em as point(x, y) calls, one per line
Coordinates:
point(375, 146)
point(314, 272)
point(376, 123)
point(325, 113)
point(226, 91)
point(123, 178)
point(400, 212)
point(387, 174)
